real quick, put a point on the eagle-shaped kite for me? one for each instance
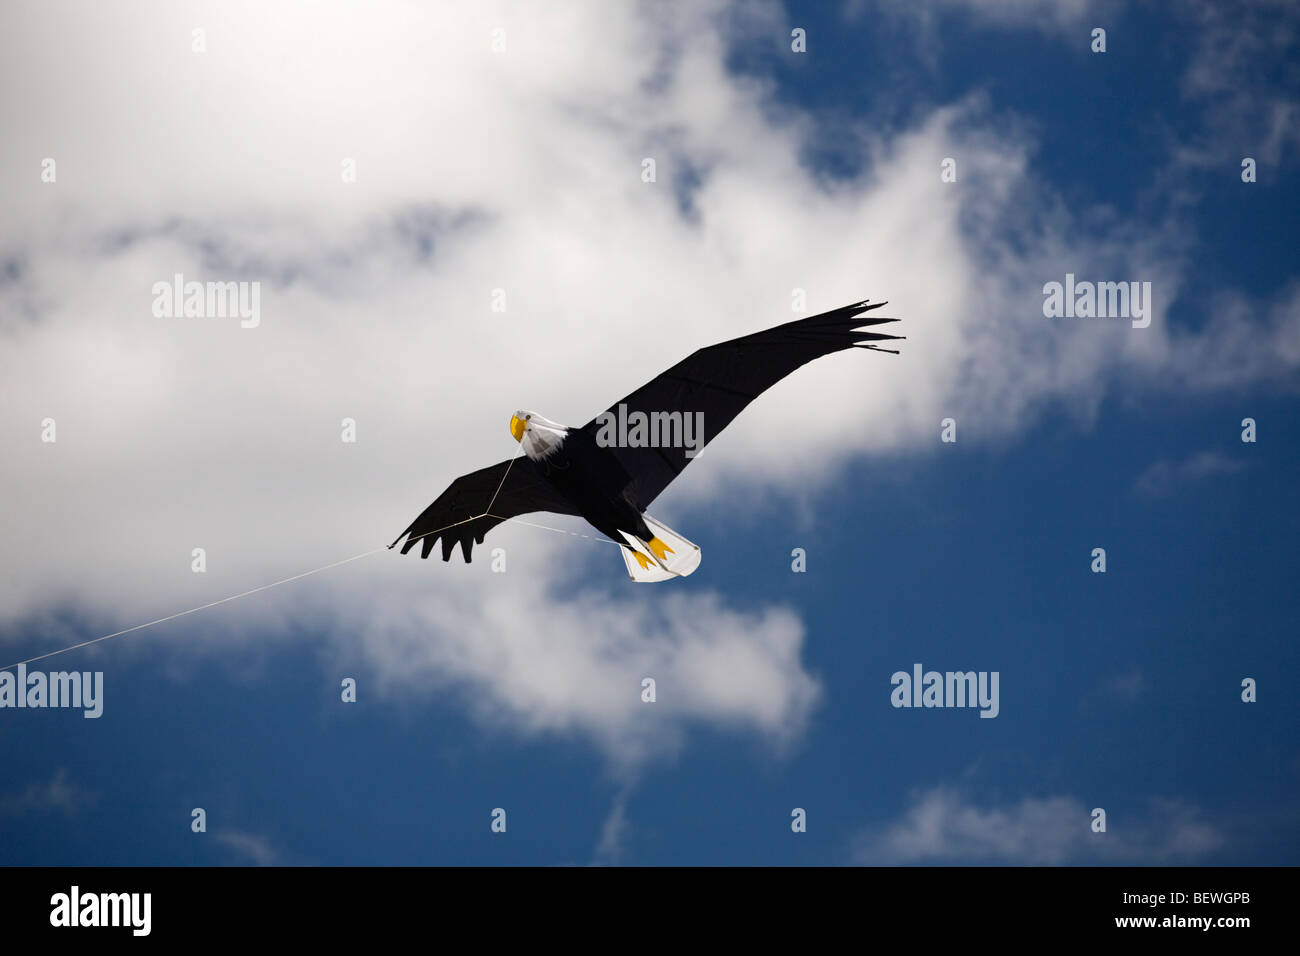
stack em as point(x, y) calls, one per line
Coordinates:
point(609, 474)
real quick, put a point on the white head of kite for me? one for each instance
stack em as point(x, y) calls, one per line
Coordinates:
point(540, 437)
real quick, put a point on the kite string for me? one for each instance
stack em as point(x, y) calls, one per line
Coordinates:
point(576, 534)
point(224, 600)
point(502, 482)
point(324, 567)
point(201, 607)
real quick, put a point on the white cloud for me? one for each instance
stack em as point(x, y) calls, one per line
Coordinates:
point(943, 826)
point(1245, 341)
point(1128, 686)
point(1162, 477)
point(1070, 20)
point(56, 794)
point(1243, 75)
point(613, 832)
point(1039, 14)
point(247, 845)
point(527, 657)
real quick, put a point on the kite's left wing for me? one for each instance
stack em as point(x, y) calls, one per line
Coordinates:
point(720, 380)
point(461, 513)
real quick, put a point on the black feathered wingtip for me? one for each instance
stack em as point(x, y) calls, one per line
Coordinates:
point(862, 308)
point(875, 336)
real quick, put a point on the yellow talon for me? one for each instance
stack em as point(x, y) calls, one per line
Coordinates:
point(641, 559)
point(661, 550)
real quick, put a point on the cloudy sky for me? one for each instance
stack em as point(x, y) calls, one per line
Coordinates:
point(447, 214)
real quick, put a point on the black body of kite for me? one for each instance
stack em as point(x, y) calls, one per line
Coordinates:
point(567, 472)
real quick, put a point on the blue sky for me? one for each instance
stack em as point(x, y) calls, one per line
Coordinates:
point(1118, 690)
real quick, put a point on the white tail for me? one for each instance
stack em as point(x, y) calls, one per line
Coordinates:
point(683, 557)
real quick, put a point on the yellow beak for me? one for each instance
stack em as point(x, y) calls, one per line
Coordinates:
point(517, 427)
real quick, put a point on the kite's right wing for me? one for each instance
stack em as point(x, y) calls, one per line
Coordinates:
point(461, 513)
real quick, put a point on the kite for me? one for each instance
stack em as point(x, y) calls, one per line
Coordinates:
point(612, 469)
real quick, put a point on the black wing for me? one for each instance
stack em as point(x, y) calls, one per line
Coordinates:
point(461, 512)
point(722, 379)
